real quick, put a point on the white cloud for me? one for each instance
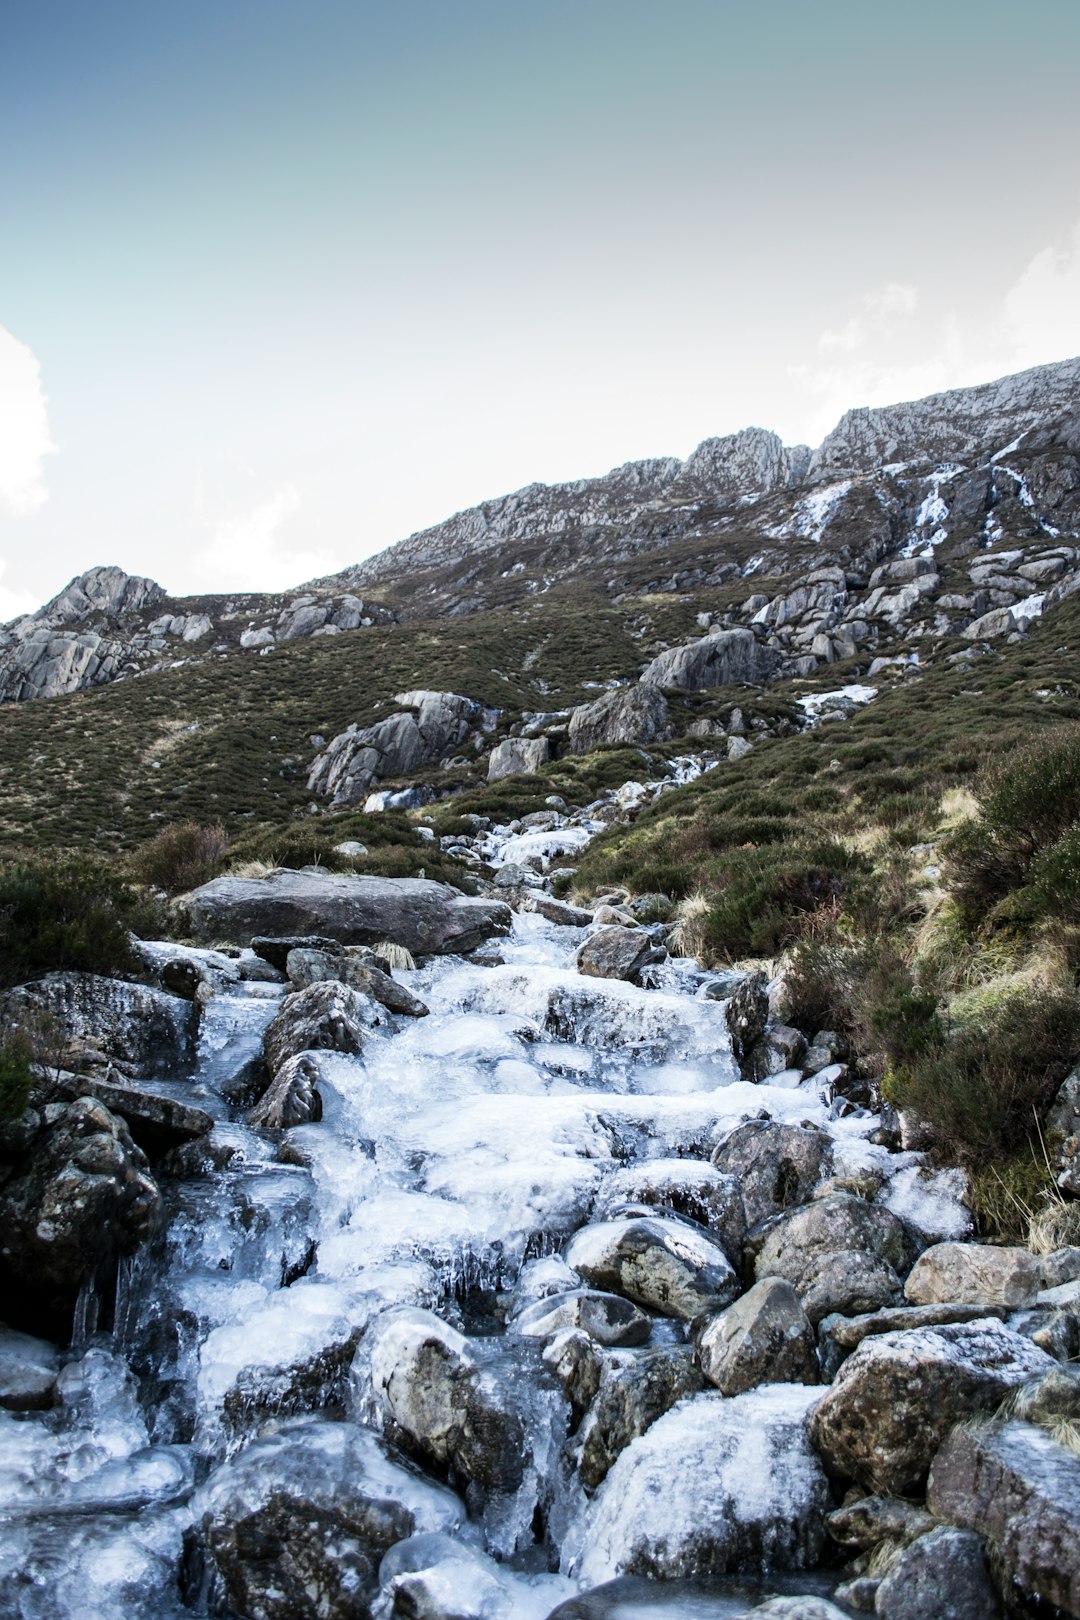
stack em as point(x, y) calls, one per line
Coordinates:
point(25, 440)
point(13, 603)
point(248, 551)
point(875, 317)
point(1042, 308)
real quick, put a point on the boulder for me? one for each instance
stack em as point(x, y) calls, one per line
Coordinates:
point(1014, 1483)
point(327, 1017)
point(764, 1338)
point(81, 1196)
point(427, 918)
point(607, 1318)
point(723, 659)
point(157, 1123)
point(297, 1524)
point(840, 1253)
point(292, 1097)
point(693, 1188)
point(518, 756)
point(862, 1525)
point(676, 1504)
point(974, 1274)
point(429, 725)
point(839, 1335)
point(776, 1166)
point(306, 967)
point(618, 953)
point(139, 1030)
point(576, 1362)
point(941, 1576)
point(277, 949)
point(433, 1391)
point(668, 1266)
point(895, 1399)
point(632, 1395)
point(629, 714)
point(557, 911)
point(747, 1014)
point(779, 1049)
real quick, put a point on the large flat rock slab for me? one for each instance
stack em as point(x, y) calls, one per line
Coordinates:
point(429, 919)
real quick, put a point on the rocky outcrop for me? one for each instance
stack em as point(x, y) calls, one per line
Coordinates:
point(727, 658)
point(80, 1195)
point(518, 756)
point(428, 726)
point(427, 918)
point(90, 1018)
point(297, 1524)
point(40, 656)
point(629, 714)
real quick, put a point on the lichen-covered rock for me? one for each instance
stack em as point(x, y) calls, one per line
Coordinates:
point(840, 1253)
point(327, 1017)
point(618, 953)
point(81, 1196)
point(764, 1338)
point(292, 1097)
point(428, 918)
point(629, 714)
point(298, 1523)
point(776, 1166)
point(1014, 1483)
point(634, 1392)
point(839, 1335)
point(714, 1485)
point(668, 1266)
point(517, 756)
point(139, 1030)
point(895, 1399)
point(941, 1576)
point(974, 1274)
point(747, 1013)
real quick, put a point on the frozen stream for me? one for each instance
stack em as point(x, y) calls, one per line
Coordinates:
point(453, 1161)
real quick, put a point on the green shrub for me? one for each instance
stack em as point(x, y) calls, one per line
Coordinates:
point(68, 912)
point(766, 895)
point(180, 857)
point(16, 1074)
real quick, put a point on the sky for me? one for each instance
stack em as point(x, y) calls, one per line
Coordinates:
point(283, 283)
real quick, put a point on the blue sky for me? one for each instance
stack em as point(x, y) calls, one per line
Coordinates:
point(282, 283)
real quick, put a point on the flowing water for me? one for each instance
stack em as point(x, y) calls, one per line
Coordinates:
point(452, 1161)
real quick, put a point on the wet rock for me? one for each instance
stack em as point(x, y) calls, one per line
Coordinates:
point(779, 1049)
point(667, 1266)
point(765, 1337)
point(82, 1195)
point(1014, 1483)
point(430, 1385)
point(518, 756)
point(747, 1014)
point(157, 1123)
point(630, 714)
point(327, 1017)
point(941, 1576)
point(840, 1253)
point(607, 1318)
point(618, 953)
point(427, 918)
point(137, 1029)
point(974, 1274)
point(690, 1187)
point(633, 1394)
point(292, 1098)
point(718, 660)
point(306, 967)
point(557, 911)
point(863, 1525)
point(577, 1363)
point(676, 1503)
point(434, 1577)
point(894, 1400)
point(28, 1371)
point(776, 1166)
point(298, 1523)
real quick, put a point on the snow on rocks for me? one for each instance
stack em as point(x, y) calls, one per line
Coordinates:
point(668, 1266)
point(714, 1485)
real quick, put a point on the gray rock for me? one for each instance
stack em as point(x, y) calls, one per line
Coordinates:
point(776, 1166)
point(974, 1274)
point(690, 1187)
point(718, 660)
point(427, 918)
point(618, 953)
point(998, 622)
point(557, 911)
point(430, 725)
point(840, 1335)
point(895, 1399)
point(941, 1576)
point(632, 1395)
point(629, 714)
point(306, 967)
point(607, 1318)
point(667, 1266)
point(840, 1253)
point(28, 1371)
point(1060, 1267)
point(138, 1030)
point(276, 950)
point(747, 1014)
point(518, 756)
point(861, 1526)
point(1063, 1130)
point(327, 1017)
point(1016, 1485)
point(780, 1048)
point(576, 1362)
point(298, 1523)
point(292, 1097)
point(81, 1196)
point(157, 1123)
point(765, 1337)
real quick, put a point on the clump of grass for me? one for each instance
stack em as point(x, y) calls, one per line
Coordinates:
point(180, 857)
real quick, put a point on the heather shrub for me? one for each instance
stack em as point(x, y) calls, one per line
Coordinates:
point(16, 1074)
point(180, 857)
point(67, 912)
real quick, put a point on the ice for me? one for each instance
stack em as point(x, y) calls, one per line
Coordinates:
point(933, 1201)
point(1031, 607)
point(812, 515)
point(816, 704)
